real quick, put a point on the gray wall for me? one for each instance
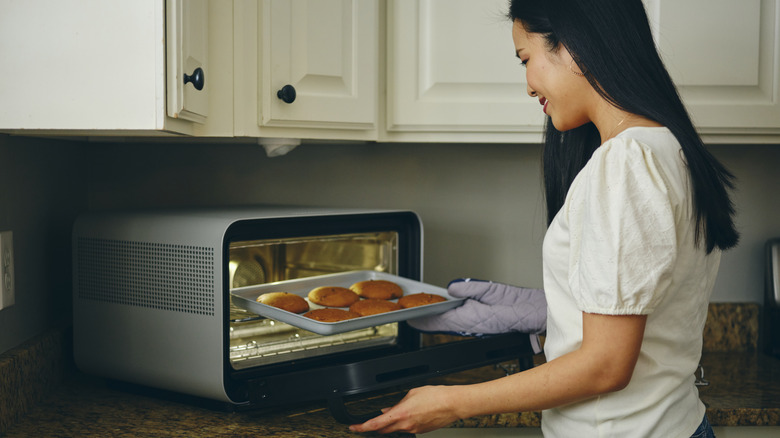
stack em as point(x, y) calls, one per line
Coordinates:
point(42, 189)
point(481, 205)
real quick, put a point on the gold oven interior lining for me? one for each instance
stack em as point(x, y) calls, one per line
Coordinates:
point(255, 340)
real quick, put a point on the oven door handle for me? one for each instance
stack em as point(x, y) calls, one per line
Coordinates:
point(338, 410)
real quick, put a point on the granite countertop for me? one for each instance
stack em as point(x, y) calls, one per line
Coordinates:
point(744, 389)
point(86, 406)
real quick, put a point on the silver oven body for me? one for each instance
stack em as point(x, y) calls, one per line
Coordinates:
point(151, 289)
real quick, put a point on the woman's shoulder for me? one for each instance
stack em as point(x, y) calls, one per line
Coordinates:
point(653, 146)
point(652, 154)
point(653, 139)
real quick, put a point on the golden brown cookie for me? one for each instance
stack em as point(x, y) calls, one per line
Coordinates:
point(373, 307)
point(419, 299)
point(377, 289)
point(333, 296)
point(285, 301)
point(330, 315)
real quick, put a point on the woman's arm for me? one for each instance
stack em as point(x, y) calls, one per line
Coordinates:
point(604, 363)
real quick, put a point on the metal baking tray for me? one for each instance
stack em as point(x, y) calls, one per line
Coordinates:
point(245, 298)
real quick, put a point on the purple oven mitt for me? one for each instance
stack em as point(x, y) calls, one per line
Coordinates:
point(490, 308)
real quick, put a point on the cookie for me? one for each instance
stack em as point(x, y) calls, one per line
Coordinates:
point(331, 315)
point(333, 296)
point(377, 289)
point(285, 301)
point(373, 307)
point(419, 299)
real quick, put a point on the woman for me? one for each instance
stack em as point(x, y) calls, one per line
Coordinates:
point(638, 214)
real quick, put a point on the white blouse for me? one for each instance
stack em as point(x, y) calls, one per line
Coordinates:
point(622, 244)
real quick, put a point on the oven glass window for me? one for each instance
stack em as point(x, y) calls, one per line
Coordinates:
point(255, 340)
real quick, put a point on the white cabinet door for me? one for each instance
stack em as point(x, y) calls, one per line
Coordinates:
point(187, 43)
point(93, 67)
point(452, 76)
point(90, 64)
point(724, 56)
point(326, 50)
point(452, 70)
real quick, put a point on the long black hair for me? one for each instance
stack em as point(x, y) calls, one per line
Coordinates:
point(611, 42)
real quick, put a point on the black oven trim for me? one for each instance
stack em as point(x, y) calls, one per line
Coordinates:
point(334, 383)
point(409, 229)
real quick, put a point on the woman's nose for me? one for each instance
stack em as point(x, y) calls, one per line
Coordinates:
point(531, 91)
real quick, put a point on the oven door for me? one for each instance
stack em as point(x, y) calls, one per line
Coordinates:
point(268, 363)
point(274, 249)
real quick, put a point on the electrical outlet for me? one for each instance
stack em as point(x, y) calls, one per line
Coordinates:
point(6, 269)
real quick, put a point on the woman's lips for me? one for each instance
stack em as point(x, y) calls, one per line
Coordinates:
point(543, 102)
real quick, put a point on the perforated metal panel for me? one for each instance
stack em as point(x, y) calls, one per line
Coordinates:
point(171, 277)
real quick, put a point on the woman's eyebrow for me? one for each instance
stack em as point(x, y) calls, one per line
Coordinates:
point(517, 52)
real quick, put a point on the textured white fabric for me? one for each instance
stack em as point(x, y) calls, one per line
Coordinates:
point(623, 244)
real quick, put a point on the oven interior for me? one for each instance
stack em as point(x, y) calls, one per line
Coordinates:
point(258, 341)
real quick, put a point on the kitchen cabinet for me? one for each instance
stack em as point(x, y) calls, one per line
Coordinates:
point(386, 70)
point(307, 68)
point(452, 74)
point(96, 67)
point(726, 63)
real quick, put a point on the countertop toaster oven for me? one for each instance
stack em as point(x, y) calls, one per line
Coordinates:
point(152, 305)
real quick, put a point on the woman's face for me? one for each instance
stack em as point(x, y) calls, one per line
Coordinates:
point(566, 97)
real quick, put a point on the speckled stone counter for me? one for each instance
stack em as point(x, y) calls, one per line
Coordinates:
point(744, 389)
point(85, 406)
point(30, 371)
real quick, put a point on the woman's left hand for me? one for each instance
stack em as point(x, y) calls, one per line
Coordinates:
point(422, 410)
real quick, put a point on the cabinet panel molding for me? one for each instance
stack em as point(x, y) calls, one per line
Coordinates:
point(187, 43)
point(328, 51)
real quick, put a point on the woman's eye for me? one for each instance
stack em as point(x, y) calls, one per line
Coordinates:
point(523, 62)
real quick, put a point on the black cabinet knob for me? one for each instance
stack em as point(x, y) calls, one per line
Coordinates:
point(287, 94)
point(198, 78)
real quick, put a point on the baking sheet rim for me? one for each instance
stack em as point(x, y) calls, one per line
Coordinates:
point(246, 299)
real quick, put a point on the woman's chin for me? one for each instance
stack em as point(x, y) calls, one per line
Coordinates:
point(559, 125)
point(564, 126)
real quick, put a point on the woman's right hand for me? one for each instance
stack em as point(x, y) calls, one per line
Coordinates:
point(421, 410)
point(490, 308)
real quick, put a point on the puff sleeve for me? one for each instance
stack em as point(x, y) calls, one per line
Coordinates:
point(624, 241)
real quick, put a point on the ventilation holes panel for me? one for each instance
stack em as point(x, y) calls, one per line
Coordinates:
point(177, 278)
